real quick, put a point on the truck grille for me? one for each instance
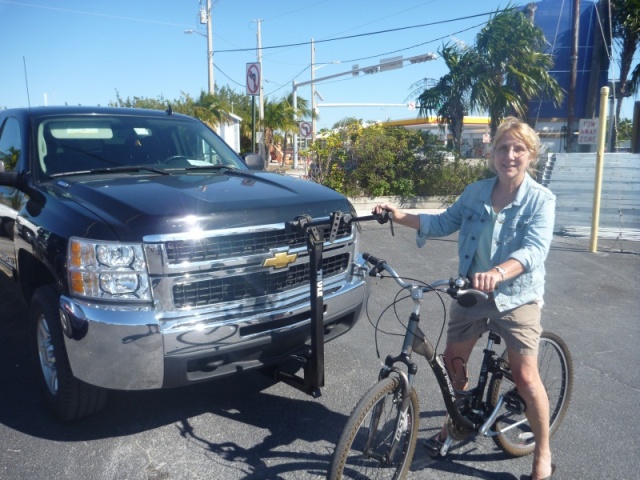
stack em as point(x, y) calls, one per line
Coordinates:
point(240, 244)
point(236, 288)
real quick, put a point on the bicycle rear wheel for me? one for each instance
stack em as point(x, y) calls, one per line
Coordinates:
point(556, 371)
point(364, 447)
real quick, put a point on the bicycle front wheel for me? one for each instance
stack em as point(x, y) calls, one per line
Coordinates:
point(379, 438)
point(556, 371)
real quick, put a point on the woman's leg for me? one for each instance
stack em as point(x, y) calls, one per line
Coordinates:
point(530, 387)
point(456, 355)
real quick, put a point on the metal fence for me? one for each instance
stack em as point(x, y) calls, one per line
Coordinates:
point(571, 176)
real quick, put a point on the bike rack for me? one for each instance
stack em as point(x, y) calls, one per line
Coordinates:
point(313, 363)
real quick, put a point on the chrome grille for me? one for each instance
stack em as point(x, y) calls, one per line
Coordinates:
point(236, 288)
point(240, 244)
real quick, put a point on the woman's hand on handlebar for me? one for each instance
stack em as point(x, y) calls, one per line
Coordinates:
point(406, 219)
point(384, 207)
point(486, 282)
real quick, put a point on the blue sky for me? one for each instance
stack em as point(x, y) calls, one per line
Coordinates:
point(80, 52)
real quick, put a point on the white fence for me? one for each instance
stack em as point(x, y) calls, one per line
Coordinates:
point(571, 176)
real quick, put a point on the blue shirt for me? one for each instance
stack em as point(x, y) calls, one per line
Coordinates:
point(523, 231)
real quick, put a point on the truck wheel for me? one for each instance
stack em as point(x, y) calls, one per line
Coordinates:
point(67, 397)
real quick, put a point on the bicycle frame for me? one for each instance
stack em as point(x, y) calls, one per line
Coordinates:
point(492, 364)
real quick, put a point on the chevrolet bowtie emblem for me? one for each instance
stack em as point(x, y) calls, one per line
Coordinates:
point(280, 260)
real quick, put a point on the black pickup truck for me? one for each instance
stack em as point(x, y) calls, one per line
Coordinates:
point(152, 256)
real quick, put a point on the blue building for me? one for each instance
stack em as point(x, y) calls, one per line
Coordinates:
point(555, 19)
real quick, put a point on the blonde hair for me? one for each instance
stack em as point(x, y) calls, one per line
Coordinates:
point(523, 132)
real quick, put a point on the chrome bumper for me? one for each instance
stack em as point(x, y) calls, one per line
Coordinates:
point(133, 348)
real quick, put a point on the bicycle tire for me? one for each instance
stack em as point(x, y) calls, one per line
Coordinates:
point(381, 401)
point(556, 371)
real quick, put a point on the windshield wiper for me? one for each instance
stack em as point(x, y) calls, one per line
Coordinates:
point(211, 167)
point(119, 169)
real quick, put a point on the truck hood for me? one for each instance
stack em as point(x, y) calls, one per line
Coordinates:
point(137, 205)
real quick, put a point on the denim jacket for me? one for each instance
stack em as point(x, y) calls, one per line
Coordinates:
point(523, 231)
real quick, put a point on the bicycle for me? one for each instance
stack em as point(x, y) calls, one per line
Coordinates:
point(380, 436)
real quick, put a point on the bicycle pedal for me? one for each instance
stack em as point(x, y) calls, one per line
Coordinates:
point(514, 403)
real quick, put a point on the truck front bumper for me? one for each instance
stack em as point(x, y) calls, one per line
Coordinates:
point(133, 349)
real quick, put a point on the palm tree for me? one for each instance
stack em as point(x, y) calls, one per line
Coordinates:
point(278, 115)
point(448, 99)
point(512, 68)
point(625, 19)
point(303, 111)
point(208, 108)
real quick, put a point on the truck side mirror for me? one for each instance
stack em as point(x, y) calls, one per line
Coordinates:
point(254, 161)
point(9, 179)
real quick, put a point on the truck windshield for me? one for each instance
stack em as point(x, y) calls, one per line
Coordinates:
point(78, 143)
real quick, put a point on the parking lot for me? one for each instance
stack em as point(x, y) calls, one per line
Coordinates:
point(249, 427)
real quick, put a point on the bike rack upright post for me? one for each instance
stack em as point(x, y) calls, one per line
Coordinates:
point(314, 230)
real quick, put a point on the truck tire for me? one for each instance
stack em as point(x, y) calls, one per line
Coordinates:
point(66, 397)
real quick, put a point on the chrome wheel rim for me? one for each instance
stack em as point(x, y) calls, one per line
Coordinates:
point(47, 356)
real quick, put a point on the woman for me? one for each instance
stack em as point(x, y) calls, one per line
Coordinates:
point(505, 229)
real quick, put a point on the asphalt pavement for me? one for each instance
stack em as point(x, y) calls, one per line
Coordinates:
point(249, 427)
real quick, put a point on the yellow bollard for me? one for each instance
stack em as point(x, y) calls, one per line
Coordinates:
point(597, 191)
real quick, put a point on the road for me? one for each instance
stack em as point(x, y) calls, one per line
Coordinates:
point(249, 427)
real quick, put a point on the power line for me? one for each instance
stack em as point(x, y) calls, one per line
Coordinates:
point(370, 57)
point(348, 37)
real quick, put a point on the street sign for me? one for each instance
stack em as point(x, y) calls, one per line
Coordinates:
point(486, 138)
point(253, 78)
point(305, 129)
point(390, 63)
point(588, 134)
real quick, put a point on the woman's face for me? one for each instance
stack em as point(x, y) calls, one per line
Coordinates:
point(511, 158)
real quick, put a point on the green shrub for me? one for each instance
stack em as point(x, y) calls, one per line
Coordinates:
point(388, 161)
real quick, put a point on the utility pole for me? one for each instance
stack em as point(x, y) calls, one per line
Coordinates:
point(313, 91)
point(262, 148)
point(207, 20)
point(571, 100)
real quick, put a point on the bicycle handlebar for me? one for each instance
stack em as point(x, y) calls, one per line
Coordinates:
point(458, 288)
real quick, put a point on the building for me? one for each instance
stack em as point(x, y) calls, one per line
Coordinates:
point(475, 134)
point(555, 19)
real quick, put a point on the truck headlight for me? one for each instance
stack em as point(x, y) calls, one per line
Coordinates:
point(107, 270)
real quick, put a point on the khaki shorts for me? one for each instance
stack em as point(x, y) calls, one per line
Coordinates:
point(520, 327)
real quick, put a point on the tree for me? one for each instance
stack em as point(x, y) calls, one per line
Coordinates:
point(239, 104)
point(449, 98)
point(625, 21)
point(278, 116)
point(511, 68)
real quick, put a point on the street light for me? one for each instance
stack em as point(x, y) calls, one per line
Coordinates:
point(205, 18)
point(314, 93)
point(355, 71)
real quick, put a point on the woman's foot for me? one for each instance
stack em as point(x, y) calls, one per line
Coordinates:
point(548, 477)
